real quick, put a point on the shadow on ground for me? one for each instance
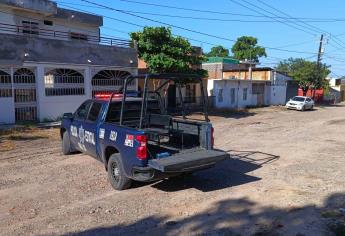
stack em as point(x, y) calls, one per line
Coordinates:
point(236, 217)
point(229, 173)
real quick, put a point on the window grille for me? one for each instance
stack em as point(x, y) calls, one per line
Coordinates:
point(108, 81)
point(5, 85)
point(30, 27)
point(64, 82)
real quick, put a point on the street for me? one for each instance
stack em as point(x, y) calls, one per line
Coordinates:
point(286, 169)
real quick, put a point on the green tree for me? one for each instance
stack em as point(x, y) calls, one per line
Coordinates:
point(164, 53)
point(246, 48)
point(218, 51)
point(307, 74)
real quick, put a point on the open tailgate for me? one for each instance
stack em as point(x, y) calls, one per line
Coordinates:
point(188, 160)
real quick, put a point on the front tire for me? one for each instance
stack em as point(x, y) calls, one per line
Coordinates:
point(116, 173)
point(66, 144)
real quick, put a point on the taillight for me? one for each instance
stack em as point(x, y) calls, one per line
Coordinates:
point(212, 137)
point(142, 149)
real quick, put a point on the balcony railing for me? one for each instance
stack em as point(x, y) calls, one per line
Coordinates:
point(34, 31)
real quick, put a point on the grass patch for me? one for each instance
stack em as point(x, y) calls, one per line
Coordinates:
point(9, 137)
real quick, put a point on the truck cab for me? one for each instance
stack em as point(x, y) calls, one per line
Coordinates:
point(137, 138)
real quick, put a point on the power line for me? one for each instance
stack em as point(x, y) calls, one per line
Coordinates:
point(190, 17)
point(138, 25)
point(226, 13)
point(254, 10)
point(190, 30)
point(310, 26)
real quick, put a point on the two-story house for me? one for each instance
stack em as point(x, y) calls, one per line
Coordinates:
point(52, 59)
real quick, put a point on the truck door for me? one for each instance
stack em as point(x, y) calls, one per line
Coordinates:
point(77, 126)
point(91, 129)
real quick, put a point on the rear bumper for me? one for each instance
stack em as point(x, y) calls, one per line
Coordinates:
point(177, 164)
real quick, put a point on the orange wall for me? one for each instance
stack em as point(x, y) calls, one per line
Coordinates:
point(256, 75)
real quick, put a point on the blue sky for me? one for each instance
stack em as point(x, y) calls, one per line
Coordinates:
point(270, 33)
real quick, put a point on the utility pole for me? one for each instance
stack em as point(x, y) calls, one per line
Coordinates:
point(320, 52)
point(318, 63)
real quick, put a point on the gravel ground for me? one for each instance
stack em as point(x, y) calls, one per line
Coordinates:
point(286, 169)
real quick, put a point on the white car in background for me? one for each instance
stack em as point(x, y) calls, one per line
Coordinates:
point(300, 103)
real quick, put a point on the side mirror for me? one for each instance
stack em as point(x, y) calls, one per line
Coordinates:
point(68, 115)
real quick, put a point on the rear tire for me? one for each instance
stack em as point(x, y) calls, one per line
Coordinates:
point(312, 108)
point(66, 144)
point(116, 173)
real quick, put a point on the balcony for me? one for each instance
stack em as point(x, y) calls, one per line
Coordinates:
point(30, 29)
point(30, 43)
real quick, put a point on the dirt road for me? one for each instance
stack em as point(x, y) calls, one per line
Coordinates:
point(287, 169)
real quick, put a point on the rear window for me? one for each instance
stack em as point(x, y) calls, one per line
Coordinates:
point(131, 111)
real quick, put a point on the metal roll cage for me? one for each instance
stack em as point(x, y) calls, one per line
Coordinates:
point(178, 79)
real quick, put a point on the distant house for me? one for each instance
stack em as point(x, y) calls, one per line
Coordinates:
point(238, 94)
point(215, 67)
point(263, 85)
point(337, 89)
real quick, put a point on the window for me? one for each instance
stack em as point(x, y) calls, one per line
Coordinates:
point(220, 95)
point(5, 92)
point(245, 94)
point(78, 36)
point(258, 88)
point(30, 27)
point(82, 110)
point(5, 84)
point(64, 91)
point(232, 95)
point(64, 82)
point(24, 95)
point(94, 111)
point(48, 22)
point(308, 100)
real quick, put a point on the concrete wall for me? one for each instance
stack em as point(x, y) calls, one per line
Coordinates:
point(13, 49)
point(7, 110)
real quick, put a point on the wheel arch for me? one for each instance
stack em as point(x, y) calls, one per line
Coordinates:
point(108, 151)
point(62, 131)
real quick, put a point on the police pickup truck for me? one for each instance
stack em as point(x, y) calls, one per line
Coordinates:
point(137, 138)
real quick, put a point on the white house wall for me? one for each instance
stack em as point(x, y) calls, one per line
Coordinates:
point(238, 85)
point(278, 95)
point(7, 110)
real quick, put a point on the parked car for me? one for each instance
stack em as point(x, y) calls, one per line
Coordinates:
point(300, 103)
point(137, 139)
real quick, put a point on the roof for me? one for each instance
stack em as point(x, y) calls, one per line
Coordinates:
point(227, 60)
point(78, 16)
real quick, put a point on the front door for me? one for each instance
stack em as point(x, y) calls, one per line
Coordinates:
point(77, 127)
point(91, 129)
